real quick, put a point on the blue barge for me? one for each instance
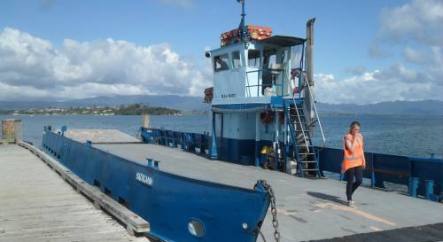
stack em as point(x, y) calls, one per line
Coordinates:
point(187, 197)
point(178, 208)
point(263, 114)
point(422, 176)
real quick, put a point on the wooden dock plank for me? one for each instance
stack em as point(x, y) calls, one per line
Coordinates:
point(134, 224)
point(37, 205)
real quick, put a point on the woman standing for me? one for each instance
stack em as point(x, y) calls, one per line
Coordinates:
point(354, 159)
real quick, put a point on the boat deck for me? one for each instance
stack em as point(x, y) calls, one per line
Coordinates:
point(307, 209)
point(36, 205)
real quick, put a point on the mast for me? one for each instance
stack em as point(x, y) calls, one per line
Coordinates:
point(309, 51)
point(242, 29)
point(307, 89)
point(309, 97)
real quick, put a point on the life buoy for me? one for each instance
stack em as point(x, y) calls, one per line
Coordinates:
point(266, 117)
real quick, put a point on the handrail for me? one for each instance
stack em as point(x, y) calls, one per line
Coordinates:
point(247, 80)
point(282, 71)
point(300, 124)
point(311, 94)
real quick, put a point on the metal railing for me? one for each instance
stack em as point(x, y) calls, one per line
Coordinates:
point(380, 167)
point(281, 75)
point(301, 125)
point(311, 94)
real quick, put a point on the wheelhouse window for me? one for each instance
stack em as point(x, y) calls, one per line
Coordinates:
point(221, 63)
point(254, 58)
point(236, 62)
point(270, 58)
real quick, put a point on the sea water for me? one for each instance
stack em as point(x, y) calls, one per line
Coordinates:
point(410, 135)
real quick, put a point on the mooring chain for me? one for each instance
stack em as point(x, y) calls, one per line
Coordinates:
point(269, 190)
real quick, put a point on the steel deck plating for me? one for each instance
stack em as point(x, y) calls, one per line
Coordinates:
point(307, 209)
point(178, 208)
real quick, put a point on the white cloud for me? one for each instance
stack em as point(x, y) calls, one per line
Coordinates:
point(31, 67)
point(414, 27)
point(394, 83)
point(419, 20)
point(412, 34)
point(413, 55)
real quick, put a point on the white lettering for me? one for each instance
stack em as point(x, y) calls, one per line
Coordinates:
point(144, 179)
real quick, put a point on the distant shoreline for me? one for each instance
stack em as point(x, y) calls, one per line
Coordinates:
point(193, 104)
point(379, 114)
point(133, 109)
point(195, 113)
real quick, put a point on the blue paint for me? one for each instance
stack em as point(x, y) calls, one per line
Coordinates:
point(429, 192)
point(213, 152)
point(373, 181)
point(242, 106)
point(277, 102)
point(428, 169)
point(289, 101)
point(257, 154)
point(167, 201)
point(380, 167)
point(63, 129)
point(413, 185)
point(371, 166)
point(150, 161)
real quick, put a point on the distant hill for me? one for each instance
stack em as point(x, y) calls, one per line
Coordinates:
point(188, 103)
point(429, 107)
point(185, 103)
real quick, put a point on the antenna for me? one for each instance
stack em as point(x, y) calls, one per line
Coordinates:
point(242, 28)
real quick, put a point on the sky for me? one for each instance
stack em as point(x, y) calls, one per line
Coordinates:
point(365, 51)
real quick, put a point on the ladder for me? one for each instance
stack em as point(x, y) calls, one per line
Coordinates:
point(303, 150)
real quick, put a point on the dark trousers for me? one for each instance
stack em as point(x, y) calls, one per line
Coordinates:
point(351, 186)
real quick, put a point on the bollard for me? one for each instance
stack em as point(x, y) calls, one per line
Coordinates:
point(373, 178)
point(146, 121)
point(413, 185)
point(184, 145)
point(18, 130)
point(11, 130)
point(429, 189)
point(373, 181)
point(64, 128)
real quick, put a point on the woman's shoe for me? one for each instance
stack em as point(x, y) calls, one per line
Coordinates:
point(350, 203)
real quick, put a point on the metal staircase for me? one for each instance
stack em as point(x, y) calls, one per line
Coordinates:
point(303, 151)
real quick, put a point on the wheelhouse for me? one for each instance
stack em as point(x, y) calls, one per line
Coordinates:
point(257, 69)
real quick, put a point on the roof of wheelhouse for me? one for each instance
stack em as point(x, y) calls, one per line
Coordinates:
point(282, 40)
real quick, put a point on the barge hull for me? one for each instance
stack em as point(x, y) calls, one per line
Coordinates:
point(169, 201)
point(307, 209)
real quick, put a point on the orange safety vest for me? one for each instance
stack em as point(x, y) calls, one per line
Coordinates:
point(352, 158)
